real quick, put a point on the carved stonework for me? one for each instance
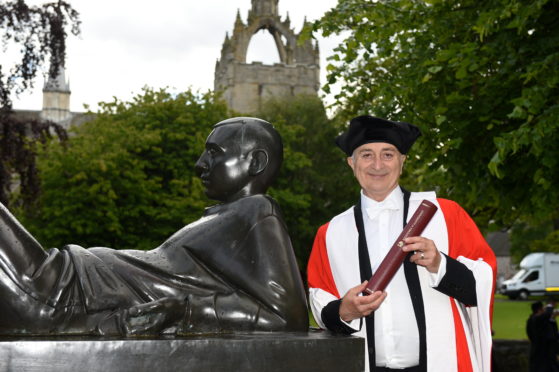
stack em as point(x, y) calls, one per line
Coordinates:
point(56, 104)
point(245, 86)
point(56, 99)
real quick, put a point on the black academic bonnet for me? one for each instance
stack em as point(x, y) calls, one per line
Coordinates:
point(366, 129)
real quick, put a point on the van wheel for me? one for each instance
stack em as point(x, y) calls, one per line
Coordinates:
point(523, 294)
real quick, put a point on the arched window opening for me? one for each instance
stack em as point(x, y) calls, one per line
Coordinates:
point(262, 48)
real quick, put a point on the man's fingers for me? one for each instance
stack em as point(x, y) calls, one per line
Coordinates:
point(368, 304)
point(354, 305)
point(369, 298)
point(415, 247)
point(418, 256)
point(373, 299)
point(377, 297)
point(355, 291)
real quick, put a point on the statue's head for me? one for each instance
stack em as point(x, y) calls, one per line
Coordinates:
point(242, 157)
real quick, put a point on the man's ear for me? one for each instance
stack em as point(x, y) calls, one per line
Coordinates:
point(350, 161)
point(404, 158)
point(258, 162)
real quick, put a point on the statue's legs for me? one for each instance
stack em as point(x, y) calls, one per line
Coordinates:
point(29, 278)
point(20, 311)
point(20, 253)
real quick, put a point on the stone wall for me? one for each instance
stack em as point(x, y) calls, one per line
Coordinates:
point(249, 85)
point(56, 106)
point(511, 355)
point(245, 86)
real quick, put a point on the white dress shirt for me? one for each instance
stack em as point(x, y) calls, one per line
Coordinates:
point(396, 332)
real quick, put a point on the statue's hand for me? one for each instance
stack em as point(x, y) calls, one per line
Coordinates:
point(153, 317)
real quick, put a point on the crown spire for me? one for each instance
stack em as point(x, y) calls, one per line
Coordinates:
point(264, 8)
point(58, 83)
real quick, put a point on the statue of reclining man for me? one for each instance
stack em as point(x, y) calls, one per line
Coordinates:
point(232, 270)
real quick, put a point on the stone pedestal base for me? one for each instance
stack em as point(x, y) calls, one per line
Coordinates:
point(270, 352)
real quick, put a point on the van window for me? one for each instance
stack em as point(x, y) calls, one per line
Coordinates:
point(534, 275)
point(518, 275)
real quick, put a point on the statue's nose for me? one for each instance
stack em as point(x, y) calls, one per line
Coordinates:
point(201, 165)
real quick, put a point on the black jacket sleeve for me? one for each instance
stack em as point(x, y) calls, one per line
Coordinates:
point(458, 282)
point(330, 315)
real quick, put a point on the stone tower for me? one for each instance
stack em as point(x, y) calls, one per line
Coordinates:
point(246, 85)
point(56, 99)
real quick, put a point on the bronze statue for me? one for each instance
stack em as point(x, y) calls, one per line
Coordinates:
point(232, 270)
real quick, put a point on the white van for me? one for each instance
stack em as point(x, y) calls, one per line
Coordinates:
point(538, 275)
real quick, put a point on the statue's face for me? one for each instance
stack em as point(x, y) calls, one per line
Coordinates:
point(224, 165)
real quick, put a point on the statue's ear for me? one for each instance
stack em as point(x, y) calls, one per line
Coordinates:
point(258, 162)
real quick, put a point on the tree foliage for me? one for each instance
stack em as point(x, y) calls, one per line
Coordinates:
point(126, 179)
point(526, 239)
point(478, 77)
point(19, 140)
point(315, 182)
point(41, 34)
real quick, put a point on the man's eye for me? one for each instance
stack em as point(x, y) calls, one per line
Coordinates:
point(388, 156)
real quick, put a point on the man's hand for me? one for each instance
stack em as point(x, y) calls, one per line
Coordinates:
point(153, 317)
point(425, 254)
point(354, 306)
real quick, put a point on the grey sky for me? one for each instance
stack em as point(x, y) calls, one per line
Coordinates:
point(127, 44)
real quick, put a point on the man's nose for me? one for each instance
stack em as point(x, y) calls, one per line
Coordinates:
point(376, 163)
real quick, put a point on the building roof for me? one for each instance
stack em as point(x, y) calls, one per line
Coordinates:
point(499, 241)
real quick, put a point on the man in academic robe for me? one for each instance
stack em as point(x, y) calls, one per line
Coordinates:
point(435, 313)
point(535, 333)
point(232, 270)
point(541, 328)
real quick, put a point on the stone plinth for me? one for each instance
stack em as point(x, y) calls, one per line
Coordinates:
point(511, 355)
point(270, 352)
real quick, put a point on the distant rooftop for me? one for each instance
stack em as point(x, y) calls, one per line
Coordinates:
point(499, 242)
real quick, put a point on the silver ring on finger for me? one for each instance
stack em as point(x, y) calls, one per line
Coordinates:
point(422, 256)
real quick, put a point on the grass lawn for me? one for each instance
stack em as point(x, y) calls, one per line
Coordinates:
point(509, 318)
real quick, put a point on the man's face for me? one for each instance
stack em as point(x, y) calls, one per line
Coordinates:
point(223, 166)
point(377, 167)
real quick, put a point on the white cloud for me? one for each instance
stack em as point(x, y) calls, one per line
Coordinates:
point(127, 44)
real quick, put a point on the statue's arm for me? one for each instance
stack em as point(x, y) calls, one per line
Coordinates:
point(193, 314)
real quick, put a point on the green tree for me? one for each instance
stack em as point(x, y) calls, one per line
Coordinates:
point(126, 179)
point(549, 244)
point(19, 141)
point(478, 77)
point(315, 182)
point(41, 33)
point(525, 239)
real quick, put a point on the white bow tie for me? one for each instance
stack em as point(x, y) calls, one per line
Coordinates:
point(386, 205)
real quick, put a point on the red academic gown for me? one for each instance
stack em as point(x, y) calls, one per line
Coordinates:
point(334, 268)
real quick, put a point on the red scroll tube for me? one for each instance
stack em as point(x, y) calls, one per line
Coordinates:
point(396, 256)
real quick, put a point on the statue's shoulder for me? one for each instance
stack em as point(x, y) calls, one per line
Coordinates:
point(248, 210)
point(260, 205)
